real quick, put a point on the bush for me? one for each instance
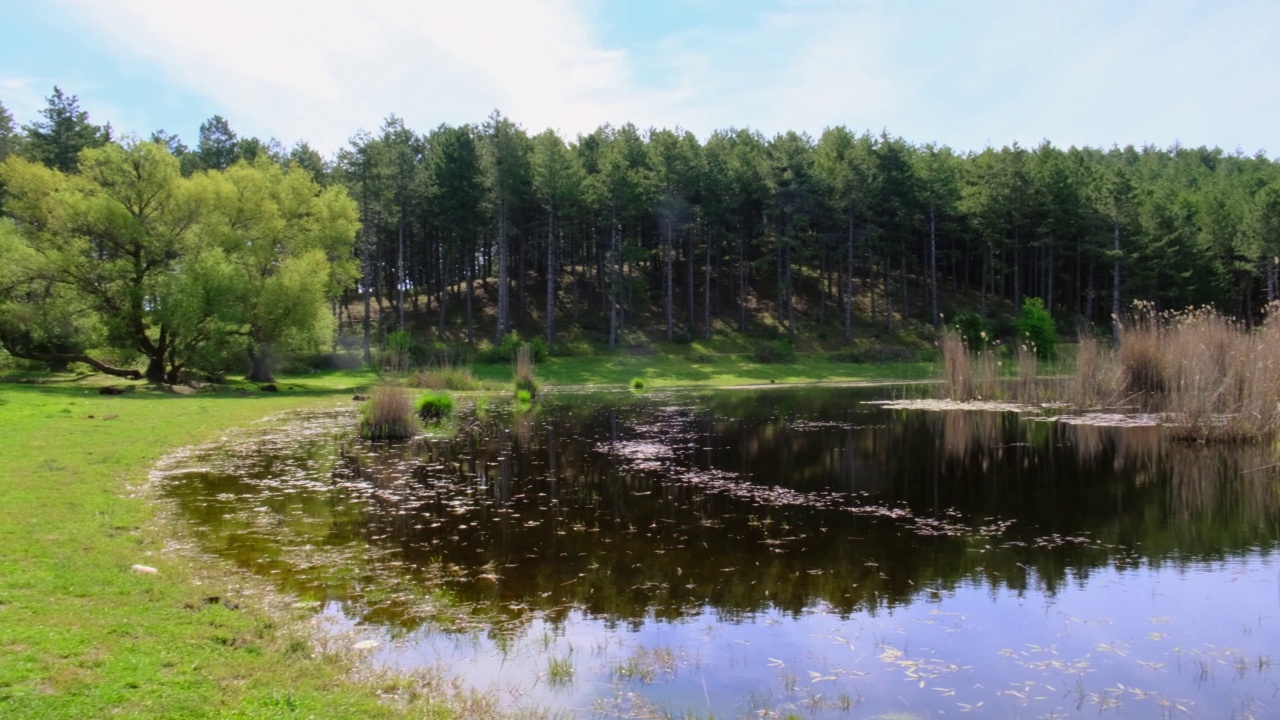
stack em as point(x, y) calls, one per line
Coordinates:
point(397, 351)
point(511, 343)
point(1036, 328)
point(973, 332)
point(387, 416)
point(775, 352)
point(637, 383)
point(434, 406)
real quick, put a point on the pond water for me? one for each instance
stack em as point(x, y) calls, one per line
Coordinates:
point(803, 552)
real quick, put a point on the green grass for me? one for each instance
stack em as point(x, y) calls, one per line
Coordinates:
point(688, 369)
point(81, 635)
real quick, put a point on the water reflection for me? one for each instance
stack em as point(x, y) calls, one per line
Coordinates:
point(725, 509)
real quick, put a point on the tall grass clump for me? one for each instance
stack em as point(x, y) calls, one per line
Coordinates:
point(445, 377)
point(1026, 389)
point(433, 406)
point(1142, 358)
point(388, 415)
point(1098, 379)
point(1218, 380)
point(525, 380)
point(957, 366)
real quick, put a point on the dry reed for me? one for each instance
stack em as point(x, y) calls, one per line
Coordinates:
point(445, 377)
point(525, 380)
point(388, 415)
point(957, 368)
point(1214, 379)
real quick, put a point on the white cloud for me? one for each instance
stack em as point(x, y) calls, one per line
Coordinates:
point(320, 70)
point(1090, 72)
point(21, 98)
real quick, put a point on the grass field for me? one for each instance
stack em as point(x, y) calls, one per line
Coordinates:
point(695, 369)
point(83, 635)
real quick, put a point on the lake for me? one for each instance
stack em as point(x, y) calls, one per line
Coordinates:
point(805, 552)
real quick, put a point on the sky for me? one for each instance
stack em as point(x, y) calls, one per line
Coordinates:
point(963, 73)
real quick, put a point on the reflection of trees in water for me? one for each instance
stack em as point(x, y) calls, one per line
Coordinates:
point(748, 502)
point(630, 511)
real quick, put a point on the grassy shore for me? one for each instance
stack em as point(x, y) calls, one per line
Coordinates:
point(84, 635)
point(682, 369)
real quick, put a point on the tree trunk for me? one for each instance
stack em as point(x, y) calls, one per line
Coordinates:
point(551, 275)
point(615, 265)
point(848, 284)
point(1115, 284)
point(1017, 268)
point(706, 293)
point(367, 285)
point(469, 262)
point(888, 296)
point(742, 281)
point(690, 250)
point(933, 266)
point(668, 279)
point(400, 268)
point(504, 279)
point(259, 363)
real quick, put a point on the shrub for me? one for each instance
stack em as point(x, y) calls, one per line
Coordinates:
point(775, 351)
point(387, 415)
point(1036, 328)
point(434, 406)
point(637, 383)
point(973, 332)
point(397, 351)
point(507, 350)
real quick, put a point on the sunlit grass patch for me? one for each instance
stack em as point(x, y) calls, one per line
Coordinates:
point(433, 406)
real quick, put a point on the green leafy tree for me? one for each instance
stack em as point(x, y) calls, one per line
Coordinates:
point(1036, 328)
point(284, 247)
point(507, 172)
point(9, 137)
point(104, 244)
point(457, 198)
point(557, 183)
point(218, 147)
point(63, 131)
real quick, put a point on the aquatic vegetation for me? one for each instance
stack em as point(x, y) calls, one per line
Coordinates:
point(525, 380)
point(560, 670)
point(1210, 378)
point(388, 415)
point(433, 406)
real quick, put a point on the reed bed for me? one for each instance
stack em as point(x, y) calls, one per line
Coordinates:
point(1214, 379)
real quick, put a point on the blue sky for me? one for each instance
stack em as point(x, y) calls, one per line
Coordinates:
point(965, 74)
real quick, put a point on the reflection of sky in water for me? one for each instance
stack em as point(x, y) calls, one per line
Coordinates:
point(1139, 642)
point(978, 553)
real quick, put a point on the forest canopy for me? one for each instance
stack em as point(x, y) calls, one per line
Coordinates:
point(175, 257)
